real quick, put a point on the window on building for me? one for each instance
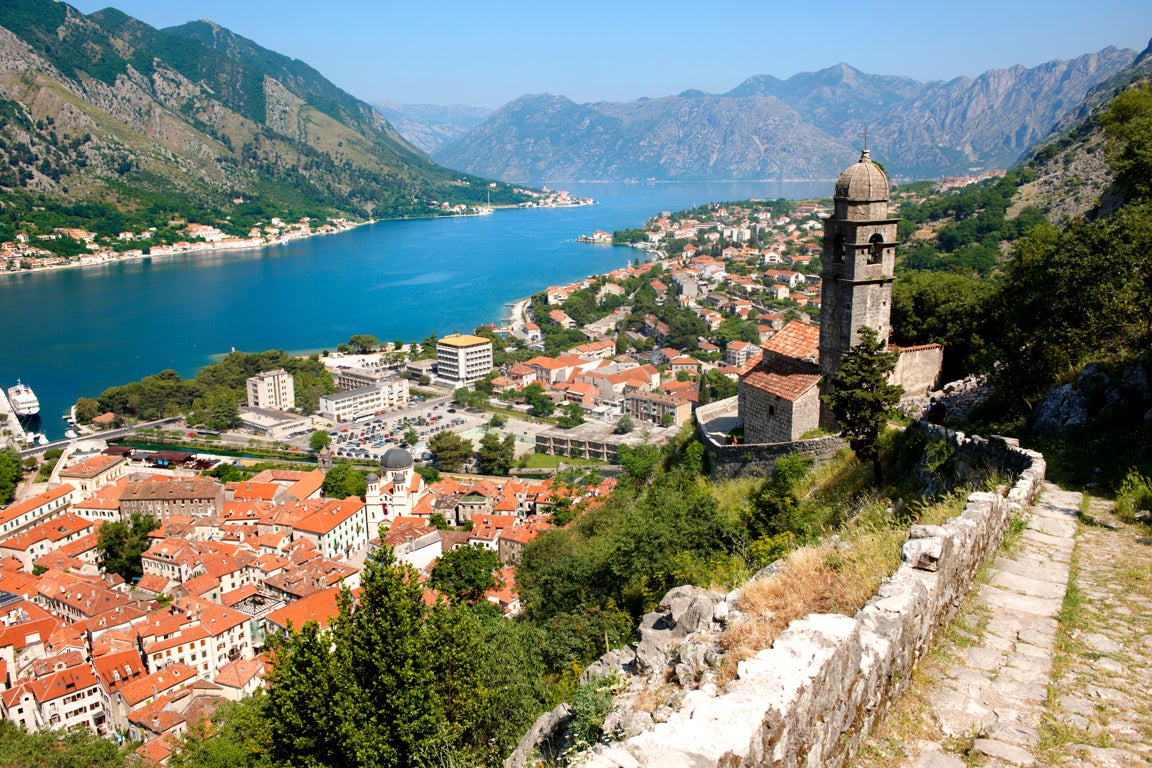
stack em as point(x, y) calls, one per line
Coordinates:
point(875, 248)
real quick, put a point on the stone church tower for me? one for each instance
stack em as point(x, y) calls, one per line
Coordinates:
point(859, 260)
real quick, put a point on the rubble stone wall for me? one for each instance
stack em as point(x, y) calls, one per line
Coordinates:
point(828, 679)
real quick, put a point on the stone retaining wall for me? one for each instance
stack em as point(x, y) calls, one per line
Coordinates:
point(731, 461)
point(828, 679)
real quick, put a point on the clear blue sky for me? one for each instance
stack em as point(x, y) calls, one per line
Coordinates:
point(488, 53)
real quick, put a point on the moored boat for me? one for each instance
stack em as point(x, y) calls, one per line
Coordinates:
point(24, 402)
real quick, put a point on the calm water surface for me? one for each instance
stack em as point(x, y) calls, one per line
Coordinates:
point(72, 333)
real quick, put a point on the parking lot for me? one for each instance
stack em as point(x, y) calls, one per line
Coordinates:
point(368, 440)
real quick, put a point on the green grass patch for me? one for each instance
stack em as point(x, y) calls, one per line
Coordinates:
point(545, 461)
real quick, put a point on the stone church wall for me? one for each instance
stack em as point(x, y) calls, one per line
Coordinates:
point(829, 679)
point(918, 369)
point(757, 459)
point(771, 419)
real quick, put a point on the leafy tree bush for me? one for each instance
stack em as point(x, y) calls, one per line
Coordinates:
point(344, 480)
point(398, 683)
point(861, 399)
point(121, 542)
point(319, 440)
point(451, 451)
point(572, 416)
point(1127, 124)
point(11, 470)
point(465, 574)
point(495, 456)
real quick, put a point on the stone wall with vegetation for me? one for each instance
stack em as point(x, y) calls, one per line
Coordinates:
point(730, 461)
point(828, 679)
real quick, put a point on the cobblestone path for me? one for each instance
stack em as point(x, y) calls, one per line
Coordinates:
point(1050, 660)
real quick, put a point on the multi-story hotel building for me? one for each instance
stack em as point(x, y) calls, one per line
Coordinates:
point(462, 360)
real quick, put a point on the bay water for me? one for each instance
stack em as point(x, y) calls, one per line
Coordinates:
point(72, 333)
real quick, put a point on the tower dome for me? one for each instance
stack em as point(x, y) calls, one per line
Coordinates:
point(395, 459)
point(862, 182)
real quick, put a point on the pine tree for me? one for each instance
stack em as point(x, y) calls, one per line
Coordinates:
point(862, 399)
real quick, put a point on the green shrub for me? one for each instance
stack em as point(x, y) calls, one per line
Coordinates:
point(1134, 495)
point(591, 703)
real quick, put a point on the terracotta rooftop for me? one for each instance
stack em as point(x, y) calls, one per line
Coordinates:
point(796, 340)
point(786, 378)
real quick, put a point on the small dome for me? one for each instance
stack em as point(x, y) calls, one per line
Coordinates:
point(372, 477)
point(863, 182)
point(395, 458)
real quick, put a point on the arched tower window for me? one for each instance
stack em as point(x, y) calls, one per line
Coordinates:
point(838, 248)
point(875, 248)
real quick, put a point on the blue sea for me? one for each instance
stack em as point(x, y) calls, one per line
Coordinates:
point(74, 332)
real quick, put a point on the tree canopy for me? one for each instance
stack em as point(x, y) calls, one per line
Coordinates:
point(451, 450)
point(121, 542)
point(862, 399)
point(397, 683)
point(465, 574)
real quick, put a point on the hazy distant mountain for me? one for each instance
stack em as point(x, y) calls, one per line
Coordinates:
point(107, 108)
point(807, 126)
point(430, 126)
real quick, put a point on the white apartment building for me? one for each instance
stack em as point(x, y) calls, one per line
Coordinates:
point(272, 389)
point(462, 360)
point(385, 395)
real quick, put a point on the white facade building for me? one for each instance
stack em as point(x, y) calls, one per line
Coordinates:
point(272, 389)
point(462, 360)
point(385, 395)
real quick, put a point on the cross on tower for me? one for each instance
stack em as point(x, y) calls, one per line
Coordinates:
point(865, 138)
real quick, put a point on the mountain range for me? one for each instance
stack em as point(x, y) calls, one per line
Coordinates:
point(103, 107)
point(808, 126)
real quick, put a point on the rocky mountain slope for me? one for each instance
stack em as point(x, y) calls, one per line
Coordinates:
point(431, 126)
point(107, 108)
point(1073, 178)
point(808, 126)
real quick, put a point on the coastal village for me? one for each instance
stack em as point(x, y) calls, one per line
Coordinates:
point(31, 250)
point(233, 563)
point(236, 562)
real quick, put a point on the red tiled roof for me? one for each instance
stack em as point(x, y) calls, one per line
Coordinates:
point(784, 377)
point(320, 607)
point(796, 340)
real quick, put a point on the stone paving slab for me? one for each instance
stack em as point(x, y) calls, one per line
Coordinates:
point(988, 705)
point(1012, 696)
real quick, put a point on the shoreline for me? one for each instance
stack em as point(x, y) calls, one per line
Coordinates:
point(207, 247)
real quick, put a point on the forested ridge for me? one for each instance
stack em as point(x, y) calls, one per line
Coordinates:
point(111, 124)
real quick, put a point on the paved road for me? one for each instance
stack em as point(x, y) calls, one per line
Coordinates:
point(112, 434)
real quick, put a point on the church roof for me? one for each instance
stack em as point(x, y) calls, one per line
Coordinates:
point(395, 458)
point(796, 340)
point(783, 377)
point(863, 182)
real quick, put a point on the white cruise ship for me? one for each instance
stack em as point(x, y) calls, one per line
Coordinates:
point(24, 402)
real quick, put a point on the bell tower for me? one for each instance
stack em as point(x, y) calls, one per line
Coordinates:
point(859, 263)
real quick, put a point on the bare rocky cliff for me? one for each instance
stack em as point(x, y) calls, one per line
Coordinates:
point(805, 127)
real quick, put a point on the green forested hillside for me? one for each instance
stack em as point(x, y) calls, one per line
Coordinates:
point(106, 109)
point(1029, 303)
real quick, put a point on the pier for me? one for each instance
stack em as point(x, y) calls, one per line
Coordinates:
point(11, 424)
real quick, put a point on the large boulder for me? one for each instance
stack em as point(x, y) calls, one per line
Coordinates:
point(545, 737)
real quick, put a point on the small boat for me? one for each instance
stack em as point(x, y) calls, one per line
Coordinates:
point(24, 402)
point(71, 434)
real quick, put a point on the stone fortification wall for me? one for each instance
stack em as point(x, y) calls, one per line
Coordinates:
point(828, 679)
point(758, 459)
point(918, 369)
point(730, 461)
